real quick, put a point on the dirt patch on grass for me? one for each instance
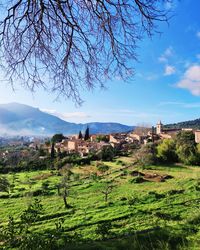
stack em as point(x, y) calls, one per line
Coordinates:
point(151, 176)
point(42, 176)
point(157, 177)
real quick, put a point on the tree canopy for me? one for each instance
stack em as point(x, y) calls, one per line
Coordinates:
point(166, 150)
point(57, 138)
point(186, 147)
point(67, 45)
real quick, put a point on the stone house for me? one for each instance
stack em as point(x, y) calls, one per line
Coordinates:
point(197, 136)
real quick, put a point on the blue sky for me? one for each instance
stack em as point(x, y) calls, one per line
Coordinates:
point(166, 85)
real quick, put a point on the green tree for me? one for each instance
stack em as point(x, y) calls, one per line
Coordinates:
point(42, 152)
point(87, 134)
point(166, 151)
point(4, 185)
point(45, 187)
point(52, 150)
point(64, 186)
point(57, 138)
point(107, 189)
point(103, 138)
point(32, 213)
point(146, 155)
point(186, 147)
point(18, 235)
point(80, 136)
point(107, 153)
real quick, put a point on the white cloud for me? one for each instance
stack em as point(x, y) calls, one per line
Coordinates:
point(191, 80)
point(169, 70)
point(169, 51)
point(165, 56)
point(75, 116)
point(7, 131)
point(198, 34)
point(162, 59)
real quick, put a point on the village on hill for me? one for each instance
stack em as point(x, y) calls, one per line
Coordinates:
point(95, 142)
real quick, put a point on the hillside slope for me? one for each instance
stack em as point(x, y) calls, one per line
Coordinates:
point(195, 124)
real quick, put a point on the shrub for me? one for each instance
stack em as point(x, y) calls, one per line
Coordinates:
point(103, 229)
point(132, 200)
point(102, 168)
point(152, 196)
point(107, 154)
point(173, 191)
point(35, 193)
point(76, 177)
point(137, 179)
point(94, 176)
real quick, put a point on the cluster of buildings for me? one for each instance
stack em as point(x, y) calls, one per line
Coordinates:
point(165, 133)
point(75, 145)
point(138, 136)
point(94, 144)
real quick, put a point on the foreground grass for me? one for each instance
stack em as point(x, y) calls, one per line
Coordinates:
point(147, 215)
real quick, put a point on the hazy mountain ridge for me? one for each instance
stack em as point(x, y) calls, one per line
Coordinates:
point(22, 119)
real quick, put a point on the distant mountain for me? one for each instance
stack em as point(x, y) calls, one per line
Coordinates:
point(195, 124)
point(22, 119)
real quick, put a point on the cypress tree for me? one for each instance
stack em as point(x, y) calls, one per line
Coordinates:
point(52, 151)
point(87, 134)
point(80, 136)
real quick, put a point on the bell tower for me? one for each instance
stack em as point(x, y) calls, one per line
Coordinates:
point(159, 128)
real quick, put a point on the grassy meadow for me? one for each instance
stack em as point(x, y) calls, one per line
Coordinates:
point(142, 212)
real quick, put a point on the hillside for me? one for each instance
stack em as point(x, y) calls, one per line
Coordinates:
point(195, 124)
point(22, 119)
point(138, 213)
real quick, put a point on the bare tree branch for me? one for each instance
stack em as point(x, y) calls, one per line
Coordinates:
point(69, 45)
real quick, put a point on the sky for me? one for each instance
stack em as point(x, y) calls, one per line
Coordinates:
point(166, 85)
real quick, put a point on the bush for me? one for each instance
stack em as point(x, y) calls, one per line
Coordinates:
point(153, 196)
point(94, 176)
point(76, 177)
point(35, 193)
point(103, 229)
point(137, 179)
point(102, 168)
point(107, 154)
point(173, 191)
point(132, 200)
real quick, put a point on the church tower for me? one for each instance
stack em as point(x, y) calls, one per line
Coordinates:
point(159, 128)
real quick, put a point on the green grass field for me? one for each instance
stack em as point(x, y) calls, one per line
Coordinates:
point(141, 214)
